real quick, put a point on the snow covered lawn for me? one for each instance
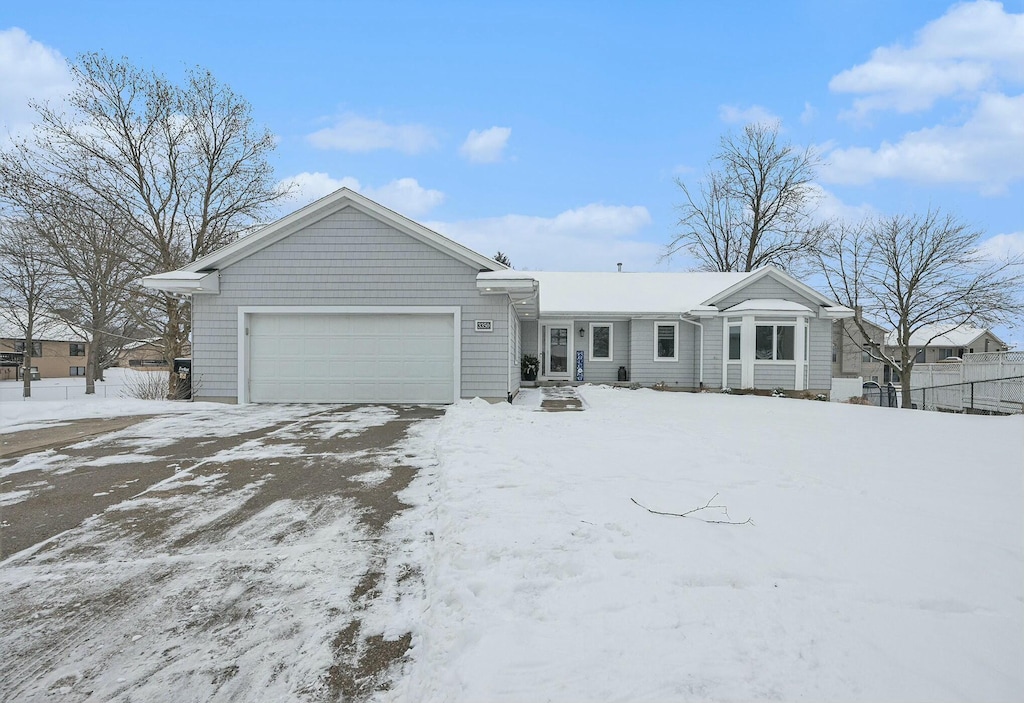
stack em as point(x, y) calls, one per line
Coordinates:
point(885, 563)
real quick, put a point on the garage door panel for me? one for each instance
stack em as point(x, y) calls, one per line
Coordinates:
point(385, 358)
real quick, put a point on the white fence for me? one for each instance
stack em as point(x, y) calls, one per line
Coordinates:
point(845, 388)
point(12, 392)
point(986, 382)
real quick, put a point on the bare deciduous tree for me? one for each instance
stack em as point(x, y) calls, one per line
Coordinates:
point(918, 273)
point(753, 206)
point(26, 282)
point(96, 288)
point(184, 167)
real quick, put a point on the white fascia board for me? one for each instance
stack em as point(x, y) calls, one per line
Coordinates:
point(184, 282)
point(836, 312)
point(781, 276)
point(329, 205)
point(493, 286)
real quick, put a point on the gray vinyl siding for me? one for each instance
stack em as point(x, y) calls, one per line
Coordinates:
point(601, 371)
point(819, 355)
point(350, 259)
point(713, 327)
point(775, 376)
point(735, 375)
point(645, 370)
point(766, 288)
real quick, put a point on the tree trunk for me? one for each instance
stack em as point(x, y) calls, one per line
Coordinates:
point(90, 372)
point(26, 366)
point(173, 343)
point(905, 387)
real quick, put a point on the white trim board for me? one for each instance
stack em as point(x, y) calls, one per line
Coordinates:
point(245, 311)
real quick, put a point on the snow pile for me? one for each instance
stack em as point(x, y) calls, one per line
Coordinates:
point(886, 559)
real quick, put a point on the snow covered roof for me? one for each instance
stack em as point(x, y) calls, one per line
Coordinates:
point(613, 292)
point(46, 328)
point(944, 336)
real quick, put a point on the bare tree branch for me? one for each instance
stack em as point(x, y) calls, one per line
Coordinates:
point(752, 208)
point(706, 506)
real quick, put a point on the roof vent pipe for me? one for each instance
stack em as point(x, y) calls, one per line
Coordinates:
point(620, 267)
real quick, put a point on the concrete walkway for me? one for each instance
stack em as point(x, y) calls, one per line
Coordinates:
point(559, 399)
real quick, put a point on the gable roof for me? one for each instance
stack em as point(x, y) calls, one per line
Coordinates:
point(945, 336)
point(318, 210)
point(622, 293)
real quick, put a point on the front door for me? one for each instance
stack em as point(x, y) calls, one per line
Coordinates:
point(557, 357)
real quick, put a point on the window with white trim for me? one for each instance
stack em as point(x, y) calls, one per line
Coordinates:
point(600, 341)
point(666, 340)
point(775, 343)
point(76, 371)
point(734, 342)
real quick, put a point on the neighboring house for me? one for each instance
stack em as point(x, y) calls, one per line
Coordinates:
point(950, 343)
point(57, 350)
point(854, 355)
point(347, 301)
point(145, 356)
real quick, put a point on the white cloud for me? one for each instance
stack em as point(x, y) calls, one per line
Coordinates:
point(831, 207)
point(1003, 246)
point(404, 195)
point(29, 70)
point(487, 146)
point(809, 113)
point(360, 134)
point(592, 238)
point(755, 114)
point(987, 150)
point(970, 49)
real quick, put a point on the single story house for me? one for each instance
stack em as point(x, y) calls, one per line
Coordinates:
point(345, 300)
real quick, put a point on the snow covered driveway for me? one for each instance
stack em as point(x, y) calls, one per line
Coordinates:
point(234, 554)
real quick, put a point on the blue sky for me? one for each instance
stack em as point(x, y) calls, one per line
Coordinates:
point(554, 131)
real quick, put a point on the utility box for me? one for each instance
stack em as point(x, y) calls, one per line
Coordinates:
point(182, 379)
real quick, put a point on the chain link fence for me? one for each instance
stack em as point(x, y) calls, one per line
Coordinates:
point(989, 382)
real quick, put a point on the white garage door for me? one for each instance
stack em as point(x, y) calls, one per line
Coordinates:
point(351, 358)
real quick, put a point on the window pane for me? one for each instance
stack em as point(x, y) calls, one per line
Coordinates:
point(785, 342)
point(559, 350)
point(919, 357)
point(602, 347)
point(763, 342)
point(734, 343)
point(666, 341)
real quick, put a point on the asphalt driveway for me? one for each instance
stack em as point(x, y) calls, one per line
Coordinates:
point(228, 555)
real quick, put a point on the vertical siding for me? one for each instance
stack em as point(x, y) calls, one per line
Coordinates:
point(644, 369)
point(351, 259)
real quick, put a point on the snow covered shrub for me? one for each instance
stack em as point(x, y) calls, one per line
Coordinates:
point(778, 393)
point(727, 390)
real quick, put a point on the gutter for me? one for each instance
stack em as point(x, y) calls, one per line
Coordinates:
point(700, 370)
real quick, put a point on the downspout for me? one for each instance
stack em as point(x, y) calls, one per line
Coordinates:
point(700, 371)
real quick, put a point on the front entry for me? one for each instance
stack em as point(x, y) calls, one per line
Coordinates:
point(557, 354)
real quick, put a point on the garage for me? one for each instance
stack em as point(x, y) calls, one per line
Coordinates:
point(371, 356)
